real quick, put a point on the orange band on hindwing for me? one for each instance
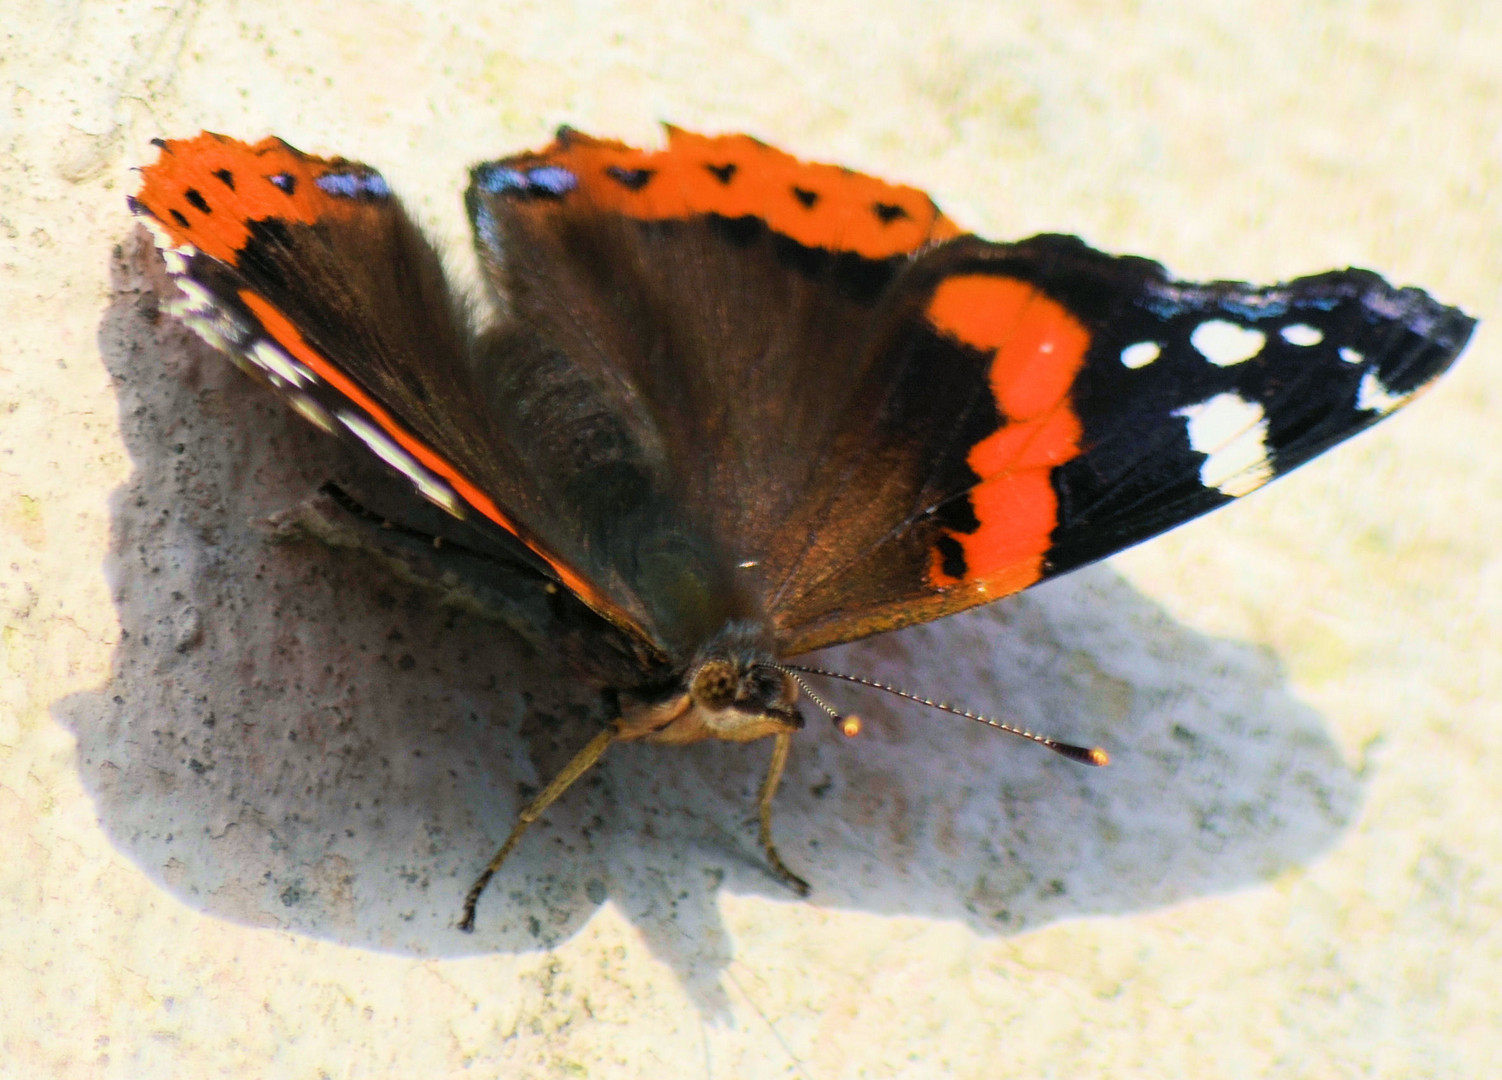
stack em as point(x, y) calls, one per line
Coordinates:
point(736, 176)
point(209, 190)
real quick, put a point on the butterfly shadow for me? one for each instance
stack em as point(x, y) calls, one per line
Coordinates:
point(293, 737)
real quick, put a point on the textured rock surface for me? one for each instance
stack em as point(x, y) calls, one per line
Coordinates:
point(244, 783)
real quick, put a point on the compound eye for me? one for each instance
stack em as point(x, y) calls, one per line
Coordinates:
point(769, 688)
point(714, 684)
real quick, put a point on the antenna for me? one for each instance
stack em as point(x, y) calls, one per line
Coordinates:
point(1086, 755)
point(848, 725)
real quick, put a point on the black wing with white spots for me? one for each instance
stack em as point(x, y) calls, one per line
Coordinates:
point(1196, 394)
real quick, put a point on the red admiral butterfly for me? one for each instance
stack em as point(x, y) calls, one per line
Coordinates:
point(736, 407)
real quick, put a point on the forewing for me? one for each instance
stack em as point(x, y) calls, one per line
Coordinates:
point(831, 411)
point(1042, 405)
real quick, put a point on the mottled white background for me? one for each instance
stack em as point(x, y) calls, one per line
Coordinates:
point(243, 784)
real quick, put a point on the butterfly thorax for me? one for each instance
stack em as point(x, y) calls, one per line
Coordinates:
point(731, 690)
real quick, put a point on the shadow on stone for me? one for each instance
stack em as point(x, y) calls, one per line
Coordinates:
point(293, 738)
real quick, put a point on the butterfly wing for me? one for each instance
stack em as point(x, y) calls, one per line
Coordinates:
point(309, 273)
point(1070, 404)
point(849, 417)
point(720, 295)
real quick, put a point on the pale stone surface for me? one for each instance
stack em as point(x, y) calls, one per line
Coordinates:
point(243, 784)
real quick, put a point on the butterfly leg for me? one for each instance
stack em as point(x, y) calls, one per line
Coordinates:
point(576, 768)
point(780, 746)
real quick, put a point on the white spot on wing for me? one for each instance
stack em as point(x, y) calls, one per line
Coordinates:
point(1351, 356)
point(205, 316)
point(201, 311)
point(1140, 354)
point(313, 412)
point(176, 262)
point(1372, 396)
point(279, 364)
point(1301, 334)
point(1224, 343)
point(428, 485)
point(210, 332)
point(1232, 434)
point(195, 298)
point(164, 242)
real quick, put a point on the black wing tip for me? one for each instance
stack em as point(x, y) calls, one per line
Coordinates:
point(1417, 311)
point(1428, 336)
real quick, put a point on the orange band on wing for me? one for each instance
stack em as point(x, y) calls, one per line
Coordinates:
point(207, 191)
point(288, 337)
point(737, 176)
point(1037, 350)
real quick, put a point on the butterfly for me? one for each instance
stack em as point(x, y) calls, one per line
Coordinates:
point(728, 407)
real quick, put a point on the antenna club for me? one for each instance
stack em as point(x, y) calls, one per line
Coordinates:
point(850, 726)
point(1085, 755)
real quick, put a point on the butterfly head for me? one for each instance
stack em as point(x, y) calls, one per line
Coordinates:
point(732, 690)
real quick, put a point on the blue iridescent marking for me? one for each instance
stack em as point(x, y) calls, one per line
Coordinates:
point(352, 185)
point(485, 226)
point(1163, 308)
point(1170, 302)
point(497, 179)
point(1255, 309)
point(553, 180)
point(545, 180)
